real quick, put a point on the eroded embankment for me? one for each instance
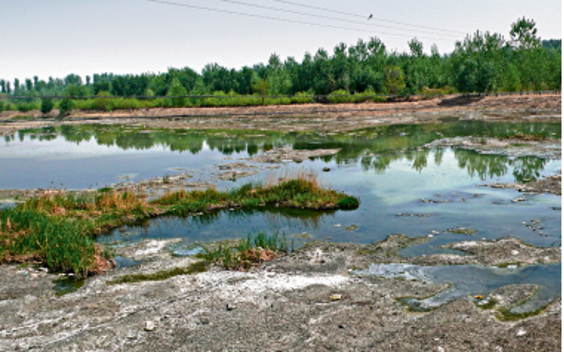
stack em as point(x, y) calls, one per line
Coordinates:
point(308, 300)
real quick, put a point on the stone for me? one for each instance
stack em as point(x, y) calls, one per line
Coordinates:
point(230, 306)
point(149, 326)
point(336, 297)
point(326, 169)
point(521, 332)
point(514, 252)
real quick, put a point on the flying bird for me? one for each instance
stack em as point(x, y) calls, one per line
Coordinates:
point(369, 17)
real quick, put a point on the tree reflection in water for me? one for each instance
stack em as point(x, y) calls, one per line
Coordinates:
point(373, 148)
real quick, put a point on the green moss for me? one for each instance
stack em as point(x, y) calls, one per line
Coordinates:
point(194, 268)
point(504, 314)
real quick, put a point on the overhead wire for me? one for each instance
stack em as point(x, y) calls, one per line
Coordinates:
point(365, 23)
point(164, 2)
point(363, 16)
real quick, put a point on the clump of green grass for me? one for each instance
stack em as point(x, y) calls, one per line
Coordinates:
point(193, 268)
point(255, 249)
point(59, 229)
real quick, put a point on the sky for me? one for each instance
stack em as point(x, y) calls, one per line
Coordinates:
point(59, 37)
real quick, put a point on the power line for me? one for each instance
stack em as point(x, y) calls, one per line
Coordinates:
point(364, 23)
point(363, 16)
point(279, 19)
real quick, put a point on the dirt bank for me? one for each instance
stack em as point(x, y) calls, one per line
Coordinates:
point(302, 302)
point(312, 117)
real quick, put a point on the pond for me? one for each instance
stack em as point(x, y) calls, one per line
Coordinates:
point(403, 188)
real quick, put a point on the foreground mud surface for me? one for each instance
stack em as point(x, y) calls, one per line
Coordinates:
point(310, 117)
point(308, 300)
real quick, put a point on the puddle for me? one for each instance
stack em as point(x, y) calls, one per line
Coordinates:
point(123, 262)
point(472, 280)
point(67, 285)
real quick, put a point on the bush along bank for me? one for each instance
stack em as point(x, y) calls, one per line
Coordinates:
point(59, 230)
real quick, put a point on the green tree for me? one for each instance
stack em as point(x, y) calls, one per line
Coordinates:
point(524, 34)
point(394, 79)
point(65, 106)
point(46, 105)
point(177, 90)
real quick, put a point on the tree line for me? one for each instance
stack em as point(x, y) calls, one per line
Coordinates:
point(482, 62)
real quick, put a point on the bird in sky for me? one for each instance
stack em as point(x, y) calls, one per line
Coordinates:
point(369, 17)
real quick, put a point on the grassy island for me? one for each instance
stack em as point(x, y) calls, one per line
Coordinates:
point(59, 230)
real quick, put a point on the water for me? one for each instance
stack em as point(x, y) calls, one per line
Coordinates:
point(385, 167)
point(472, 280)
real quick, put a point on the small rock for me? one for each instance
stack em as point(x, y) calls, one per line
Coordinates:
point(337, 225)
point(435, 232)
point(514, 252)
point(524, 223)
point(430, 236)
point(231, 306)
point(149, 326)
point(521, 332)
point(516, 200)
point(336, 297)
point(326, 169)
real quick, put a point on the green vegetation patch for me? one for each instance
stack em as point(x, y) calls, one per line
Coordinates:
point(505, 314)
point(198, 267)
point(59, 230)
point(463, 231)
point(255, 249)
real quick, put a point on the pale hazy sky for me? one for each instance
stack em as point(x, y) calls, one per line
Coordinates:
point(58, 37)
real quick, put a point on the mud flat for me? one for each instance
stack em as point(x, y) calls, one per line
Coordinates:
point(514, 147)
point(549, 184)
point(311, 117)
point(312, 299)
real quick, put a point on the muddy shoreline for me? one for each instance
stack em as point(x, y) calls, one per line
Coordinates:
point(310, 117)
point(308, 300)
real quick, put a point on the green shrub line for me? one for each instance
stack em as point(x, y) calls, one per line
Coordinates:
point(59, 230)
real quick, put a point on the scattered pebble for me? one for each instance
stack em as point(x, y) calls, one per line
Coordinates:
point(149, 326)
point(336, 297)
point(430, 236)
point(231, 306)
point(516, 200)
point(337, 225)
point(326, 169)
point(521, 332)
point(514, 252)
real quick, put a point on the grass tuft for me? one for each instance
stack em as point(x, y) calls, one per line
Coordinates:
point(255, 249)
